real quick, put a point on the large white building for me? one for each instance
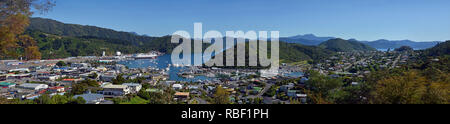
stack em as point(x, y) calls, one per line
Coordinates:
point(115, 90)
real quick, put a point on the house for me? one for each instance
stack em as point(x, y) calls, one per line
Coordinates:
point(285, 88)
point(177, 86)
point(33, 86)
point(134, 87)
point(70, 80)
point(107, 78)
point(91, 98)
point(7, 85)
point(181, 95)
point(48, 78)
point(292, 93)
point(303, 80)
point(191, 87)
point(58, 89)
point(115, 90)
point(80, 65)
point(14, 63)
point(19, 76)
point(101, 69)
point(2, 77)
point(302, 97)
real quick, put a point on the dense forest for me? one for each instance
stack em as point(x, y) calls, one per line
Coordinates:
point(56, 46)
point(341, 45)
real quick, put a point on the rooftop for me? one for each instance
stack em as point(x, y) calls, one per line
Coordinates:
point(182, 94)
point(131, 84)
point(115, 86)
point(6, 84)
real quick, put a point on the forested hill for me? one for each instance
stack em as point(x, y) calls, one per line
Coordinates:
point(55, 46)
point(58, 28)
point(442, 49)
point(289, 53)
point(341, 45)
point(59, 40)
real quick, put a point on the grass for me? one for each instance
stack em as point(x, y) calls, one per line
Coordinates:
point(136, 100)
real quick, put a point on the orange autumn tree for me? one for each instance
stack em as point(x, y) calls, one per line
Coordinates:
point(14, 19)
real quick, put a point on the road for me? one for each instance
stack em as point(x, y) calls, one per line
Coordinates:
point(396, 61)
point(260, 94)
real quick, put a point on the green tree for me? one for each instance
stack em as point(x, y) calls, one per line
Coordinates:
point(60, 99)
point(44, 99)
point(78, 100)
point(221, 96)
point(13, 22)
point(79, 88)
point(119, 79)
point(93, 75)
point(61, 64)
point(410, 88)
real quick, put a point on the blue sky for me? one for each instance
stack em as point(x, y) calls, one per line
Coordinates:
point(420, 20)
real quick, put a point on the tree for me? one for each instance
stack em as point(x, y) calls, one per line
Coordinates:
point(79, 88)
point(44, 99)
point(93, 76)
point(221, 96)
point(13, 22)
point(119, 79)
point(61, 63)
point(78, 100)
point(4, 101)
point(60, 99)
point(322, 84)
point(410, 88)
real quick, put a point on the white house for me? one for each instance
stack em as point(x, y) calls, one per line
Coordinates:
point(20, 70)
point(134, 87)
point(49, 78)
point(177, 86)
point(115, 90)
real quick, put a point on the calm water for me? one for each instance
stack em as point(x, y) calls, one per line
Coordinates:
point(162, 62)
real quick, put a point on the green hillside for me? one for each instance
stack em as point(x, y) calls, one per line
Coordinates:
point(58, 28)
point(58, 40)
point(55, 46)
point(439, 50)
point(289, 53)
point(341, 45)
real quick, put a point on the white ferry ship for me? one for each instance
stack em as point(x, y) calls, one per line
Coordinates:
point(145, 56)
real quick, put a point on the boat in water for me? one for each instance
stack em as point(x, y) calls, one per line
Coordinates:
point(145, 56)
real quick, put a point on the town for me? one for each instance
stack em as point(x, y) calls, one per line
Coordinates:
point(103, 80)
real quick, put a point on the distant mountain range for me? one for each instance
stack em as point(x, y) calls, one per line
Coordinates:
point(307, 39)
point(386, 44)
point(310, 39)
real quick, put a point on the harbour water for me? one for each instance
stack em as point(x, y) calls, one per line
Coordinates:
point(163, 62)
